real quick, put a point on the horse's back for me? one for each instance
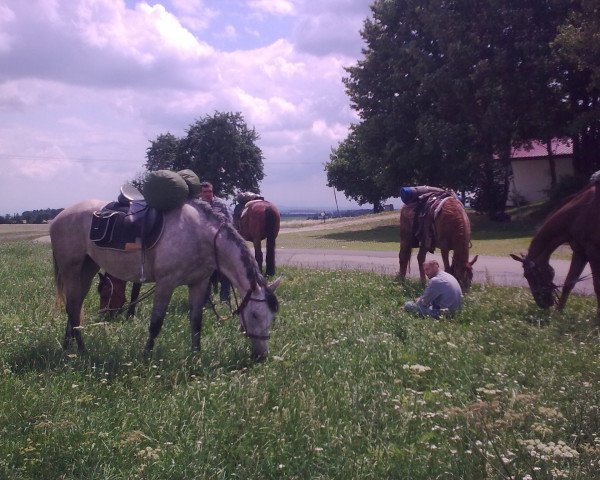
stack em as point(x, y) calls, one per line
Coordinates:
point(254, 221)
point(580, 215)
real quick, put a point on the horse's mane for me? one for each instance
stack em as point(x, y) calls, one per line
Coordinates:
point(568, 198)
point(218, 220)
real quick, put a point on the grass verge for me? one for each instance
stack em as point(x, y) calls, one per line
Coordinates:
point(354, 387)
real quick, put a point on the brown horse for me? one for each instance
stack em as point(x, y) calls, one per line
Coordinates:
point(112, 295)
point(195, 242)
point(577, 223)
point(452, 232)
point(258, 221)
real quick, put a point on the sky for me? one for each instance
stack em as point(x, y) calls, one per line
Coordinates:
point(85, 85)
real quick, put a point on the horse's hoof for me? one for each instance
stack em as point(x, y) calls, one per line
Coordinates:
point(260, 358)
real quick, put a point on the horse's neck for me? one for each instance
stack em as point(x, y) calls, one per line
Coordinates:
point(234, 262)
point(461, 235)
point(551, 235)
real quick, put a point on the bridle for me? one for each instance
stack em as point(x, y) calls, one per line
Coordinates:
point(540, 288)
point(245, 301)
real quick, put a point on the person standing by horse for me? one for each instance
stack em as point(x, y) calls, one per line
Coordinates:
point(218, 205)
point(442, 294)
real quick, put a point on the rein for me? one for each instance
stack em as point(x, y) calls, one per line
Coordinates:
point(143, 296)
point(573, 282)
point(120, 310)
point(245, 301)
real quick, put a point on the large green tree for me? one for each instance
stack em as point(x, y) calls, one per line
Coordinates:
point(350, 171)
point(577, 48)
point(219, 148)
point(451, 86)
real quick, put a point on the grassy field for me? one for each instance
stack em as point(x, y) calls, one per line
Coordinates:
point(380, 233)
point(354, 388)
point(376, 232)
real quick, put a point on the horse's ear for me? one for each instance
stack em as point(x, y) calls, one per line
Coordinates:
point(274, 284)
point(518, 259)
point(474, 260)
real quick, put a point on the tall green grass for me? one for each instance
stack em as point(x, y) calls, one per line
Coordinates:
point(354, 387)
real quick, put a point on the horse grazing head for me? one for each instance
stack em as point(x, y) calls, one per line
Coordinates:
point(112, 293)
point(540, 277)
point(257, 312)
point(464, 273)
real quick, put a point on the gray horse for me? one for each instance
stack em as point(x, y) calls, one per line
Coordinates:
point(195, 242)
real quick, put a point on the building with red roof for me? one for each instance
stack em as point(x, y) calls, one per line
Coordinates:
point(531, 169)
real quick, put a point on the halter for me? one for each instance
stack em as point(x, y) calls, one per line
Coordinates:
point(245, 301)
point(553, 288)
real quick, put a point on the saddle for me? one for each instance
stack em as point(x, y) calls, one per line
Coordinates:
point(428, 205)
point(128, 224)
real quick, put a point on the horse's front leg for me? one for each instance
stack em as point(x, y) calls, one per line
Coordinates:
point(404, 259)
point(421, 260)
point(197, 300)
point(162, 297)
point(578, 262)
point(445, 259)
point(258, 255)
point(135, 293)
point(594, 258)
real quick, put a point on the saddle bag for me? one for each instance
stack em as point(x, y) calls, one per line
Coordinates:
point(103, 226)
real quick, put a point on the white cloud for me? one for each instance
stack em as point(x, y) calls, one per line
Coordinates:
point(145, 34)
point(6, 16)
point(228, 32)
point(276, 7)
point(194, 14)
point(85, 84)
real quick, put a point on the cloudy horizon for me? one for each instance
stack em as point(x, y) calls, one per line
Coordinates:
point(85, 85)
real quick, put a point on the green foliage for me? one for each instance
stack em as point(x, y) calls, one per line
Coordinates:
point(445, 88)
point(220, 149)
point(350, 170)
point(31, 216)
point(354, 387)
point(565, 187)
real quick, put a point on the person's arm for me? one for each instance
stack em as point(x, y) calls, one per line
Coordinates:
point(430, 294)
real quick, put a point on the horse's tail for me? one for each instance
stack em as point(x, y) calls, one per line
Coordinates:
point(271, 229)
point(58, 282)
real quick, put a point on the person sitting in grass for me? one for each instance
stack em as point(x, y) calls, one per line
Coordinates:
point(442, 294)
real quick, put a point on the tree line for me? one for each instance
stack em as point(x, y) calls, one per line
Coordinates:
point(445, 90)
point(31, 216)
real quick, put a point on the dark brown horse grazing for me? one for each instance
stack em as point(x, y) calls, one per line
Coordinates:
point(112, 295)
point(577, 223)
point(260, 220)
point(452, 232)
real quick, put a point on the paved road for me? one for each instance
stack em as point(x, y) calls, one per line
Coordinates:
point(496, 270)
